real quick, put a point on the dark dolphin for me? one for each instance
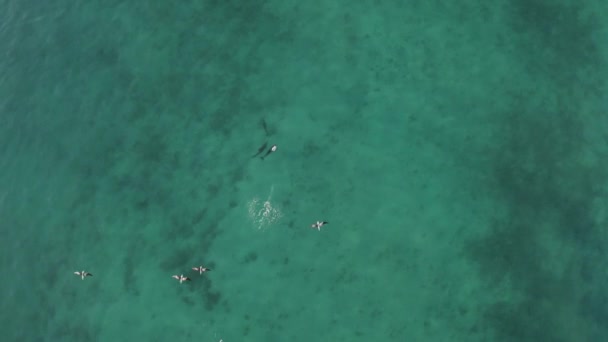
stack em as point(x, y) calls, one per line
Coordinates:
point(260, 150)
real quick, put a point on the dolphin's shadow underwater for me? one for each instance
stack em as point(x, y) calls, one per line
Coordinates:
point(265, 127)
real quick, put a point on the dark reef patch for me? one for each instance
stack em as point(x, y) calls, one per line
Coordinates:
point(546, 192)
point(559, 41)
point(250, 257)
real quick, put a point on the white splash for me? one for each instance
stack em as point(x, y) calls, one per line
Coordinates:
point(263, 214)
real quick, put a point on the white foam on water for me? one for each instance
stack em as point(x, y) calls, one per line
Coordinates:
point(263, 214)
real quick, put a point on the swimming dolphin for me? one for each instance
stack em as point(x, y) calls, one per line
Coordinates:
point(272, 149)
point(260, 150)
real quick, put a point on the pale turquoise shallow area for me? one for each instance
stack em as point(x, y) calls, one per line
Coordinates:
point(458, 150)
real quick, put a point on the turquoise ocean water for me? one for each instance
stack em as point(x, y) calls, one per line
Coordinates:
point(457, 148)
